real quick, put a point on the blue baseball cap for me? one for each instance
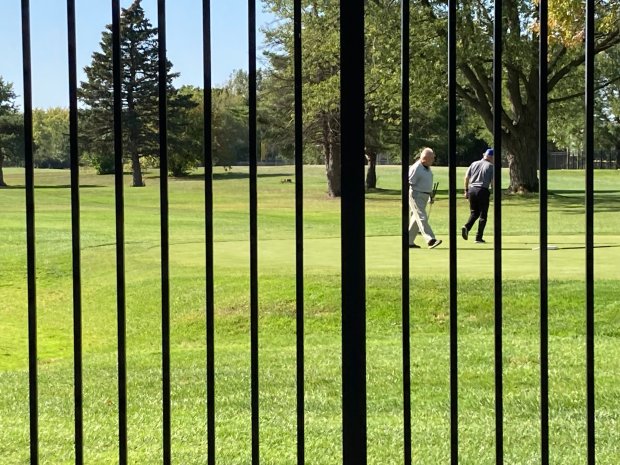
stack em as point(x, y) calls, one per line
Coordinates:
point(488, 153)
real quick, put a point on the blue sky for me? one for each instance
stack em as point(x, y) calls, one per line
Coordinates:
point(48, 23)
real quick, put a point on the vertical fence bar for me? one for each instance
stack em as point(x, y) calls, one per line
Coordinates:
point(299, 233)
point(253, 229)
point(543, 199)
point(165, 248)
point(454, 397)
point(75, 237)
point(589, 146)
point(405, 17)
point(30, 238)
point(120, 233)
point(497, 209)
point(353, 233)
point(208, 164)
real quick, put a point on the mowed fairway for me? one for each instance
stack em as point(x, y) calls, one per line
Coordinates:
point(276, 223)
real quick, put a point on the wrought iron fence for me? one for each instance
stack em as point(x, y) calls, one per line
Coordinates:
point(354, 408)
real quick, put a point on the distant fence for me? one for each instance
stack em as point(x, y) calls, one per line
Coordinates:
point(576, 160)
point(354, 410)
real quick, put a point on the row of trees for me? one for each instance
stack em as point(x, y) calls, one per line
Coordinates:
point(139, 92)
point(321, 84)
point(428, 65)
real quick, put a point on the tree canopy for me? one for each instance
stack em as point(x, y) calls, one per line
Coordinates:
point(11, 127)
point(428, 44)
point(139, 89)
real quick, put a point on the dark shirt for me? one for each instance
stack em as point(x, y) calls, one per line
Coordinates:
point(480, 174)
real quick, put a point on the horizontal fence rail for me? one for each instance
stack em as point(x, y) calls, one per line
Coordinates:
point(352, 241)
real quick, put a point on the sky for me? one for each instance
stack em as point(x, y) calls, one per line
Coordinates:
point(48, 25)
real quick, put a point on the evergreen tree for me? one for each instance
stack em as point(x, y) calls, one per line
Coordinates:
point(139, 90)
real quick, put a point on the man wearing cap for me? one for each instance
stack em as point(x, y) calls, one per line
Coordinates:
point(420, 190)
point(478, 181)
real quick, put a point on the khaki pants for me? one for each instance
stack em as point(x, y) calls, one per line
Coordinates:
point(419, 220)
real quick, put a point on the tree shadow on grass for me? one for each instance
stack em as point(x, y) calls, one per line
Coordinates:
point(57, 186)
point(572, 202)
point(535, 249)
point(229, 175)
point(383, 194)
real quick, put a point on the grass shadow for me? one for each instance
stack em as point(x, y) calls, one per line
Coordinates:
point(229, 175)
point(58, 186)
point(382, 194)
point(573, 201)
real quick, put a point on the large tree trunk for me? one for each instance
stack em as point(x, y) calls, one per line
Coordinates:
point(522, 156)
point(2, 183)
point(371, 174)
point(333, 169)
point(331, 149)
point(136, 169)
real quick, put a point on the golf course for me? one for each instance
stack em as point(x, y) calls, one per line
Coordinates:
point(429, 313)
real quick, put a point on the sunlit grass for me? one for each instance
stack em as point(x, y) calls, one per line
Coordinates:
point(429, 314)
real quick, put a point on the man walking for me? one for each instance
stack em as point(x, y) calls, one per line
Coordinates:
point(478, 181)
point(420, 189)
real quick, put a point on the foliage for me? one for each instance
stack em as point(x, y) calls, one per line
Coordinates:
point(428, 45)
point(11, 128)
point(230, 120)
point(185, 133)
point(607, 114)
point(139, 90)
point(519, 117)
point(320, 86)
point(50, 132)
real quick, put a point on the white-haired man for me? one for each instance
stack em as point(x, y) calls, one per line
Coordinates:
point(420, 190)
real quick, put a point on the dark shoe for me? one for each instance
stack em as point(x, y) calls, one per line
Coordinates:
point(464, 232)
point(414, 246)
point(480, 241)
point(433, 243)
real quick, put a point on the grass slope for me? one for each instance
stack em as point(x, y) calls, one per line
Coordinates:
point(429, 314)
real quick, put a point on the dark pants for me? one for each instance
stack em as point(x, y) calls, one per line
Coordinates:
point(479, 207)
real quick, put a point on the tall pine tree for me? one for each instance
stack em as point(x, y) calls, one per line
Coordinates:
point(139, 90)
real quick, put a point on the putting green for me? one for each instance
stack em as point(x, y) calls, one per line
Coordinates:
point(520, 256)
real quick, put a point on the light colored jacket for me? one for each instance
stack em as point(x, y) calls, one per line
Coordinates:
point(420, 178)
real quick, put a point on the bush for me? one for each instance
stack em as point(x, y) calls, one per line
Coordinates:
point(102, 163)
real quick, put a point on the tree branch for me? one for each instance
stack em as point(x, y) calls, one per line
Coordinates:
point(481, 77)
point(514, 88)
point(480, 94)
point(581, 94)
point(556, 59)
point(482, 107)
point(609, 41)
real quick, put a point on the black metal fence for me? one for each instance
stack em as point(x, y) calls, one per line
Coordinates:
point(576, 160)
point(354, 407)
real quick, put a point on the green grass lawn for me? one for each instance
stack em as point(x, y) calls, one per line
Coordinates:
point(429, 314)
